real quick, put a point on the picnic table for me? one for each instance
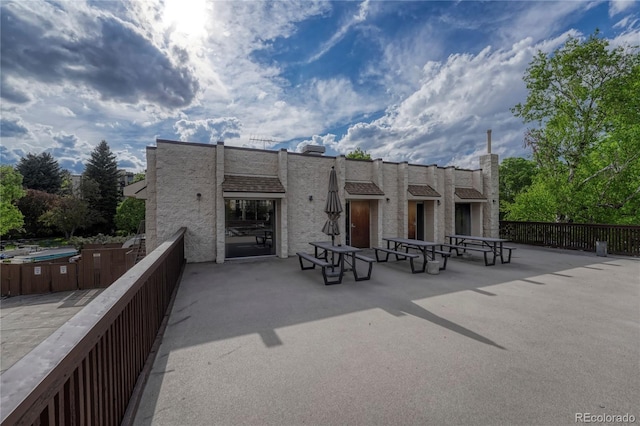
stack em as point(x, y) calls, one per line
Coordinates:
point(483, 244)
point(266, 239)
point(428, 249)
point(347, 257)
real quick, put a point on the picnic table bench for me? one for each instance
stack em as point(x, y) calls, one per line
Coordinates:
point(445, 255)
point(331, 268)
point(330, 277)
point(427, 249)
point(482, 244)
point(399, 256)
point(508, 249)
point(464, 248)
point(367, 260)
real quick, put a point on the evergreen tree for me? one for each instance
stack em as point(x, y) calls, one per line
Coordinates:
point(102, 169)
point(40, 172)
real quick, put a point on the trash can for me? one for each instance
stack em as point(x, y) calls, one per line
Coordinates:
point(601, 248)
point(433, 267)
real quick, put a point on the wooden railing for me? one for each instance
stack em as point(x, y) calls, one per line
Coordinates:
point(624, 240)
point(87, 371)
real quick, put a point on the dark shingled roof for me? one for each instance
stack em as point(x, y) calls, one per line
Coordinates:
point(423, 191)
point(469, 194)
point(362, 188)
point(251, 184)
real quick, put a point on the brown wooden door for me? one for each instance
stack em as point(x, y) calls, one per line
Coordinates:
point(359, 224)
point(412, 220)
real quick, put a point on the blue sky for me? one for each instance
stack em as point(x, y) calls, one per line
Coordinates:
point(414, 81)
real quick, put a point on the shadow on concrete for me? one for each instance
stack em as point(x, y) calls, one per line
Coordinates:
point(238, 298)
point(223, 301)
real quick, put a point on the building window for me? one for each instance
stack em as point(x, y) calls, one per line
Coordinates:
point(249, 228)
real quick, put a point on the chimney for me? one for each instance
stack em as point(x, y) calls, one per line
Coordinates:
point(489, 141)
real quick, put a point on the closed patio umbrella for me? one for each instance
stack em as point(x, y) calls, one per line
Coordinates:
point(333, 208)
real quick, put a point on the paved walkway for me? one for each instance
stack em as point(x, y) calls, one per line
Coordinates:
point(25, 321)
point(536, 341)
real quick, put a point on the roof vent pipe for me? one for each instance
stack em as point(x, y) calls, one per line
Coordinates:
point(489, 141)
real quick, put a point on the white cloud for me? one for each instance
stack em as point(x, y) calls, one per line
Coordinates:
point(404, 58)
point(619, 6)
point(64, 111)
point(208, 130)
point(627, 38)
point(447, 117)
point(539, 20)
point(353, 20)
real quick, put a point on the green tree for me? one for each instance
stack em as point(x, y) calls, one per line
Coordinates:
point(129, 215)
point(516, 175)
point(536, 203)
point(68, 215)
point(40, 172)
point(583, 104)
point(33, 205)
point(102, 168)
point(10, 191)
point(359, 154)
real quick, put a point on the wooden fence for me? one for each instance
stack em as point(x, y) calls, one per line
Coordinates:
point(88, 370)
point(98, 268)
point(624, 240)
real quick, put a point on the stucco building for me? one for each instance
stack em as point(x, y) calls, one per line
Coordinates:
point(238, 202)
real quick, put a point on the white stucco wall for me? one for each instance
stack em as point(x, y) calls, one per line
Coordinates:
point(418, 175)
point(391, 209)
point(183, 171)
point(359, 170)
point(151, 205)
point(464, 178)
point(490, 182)
point(449, 181)
point(307, 176)
point(243, 161)
point(439, 185)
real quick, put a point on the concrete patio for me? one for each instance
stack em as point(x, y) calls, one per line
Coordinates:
point(536, 341)
point(25, 321)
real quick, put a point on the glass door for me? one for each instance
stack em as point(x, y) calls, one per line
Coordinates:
point(249, 228)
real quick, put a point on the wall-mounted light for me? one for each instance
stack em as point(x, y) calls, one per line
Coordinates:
point(494, 201)
point(310, 197)
point(388, 199)
point(438, 202)
point(198, 195)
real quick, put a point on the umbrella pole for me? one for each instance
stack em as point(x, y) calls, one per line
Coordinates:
point(333, 253)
